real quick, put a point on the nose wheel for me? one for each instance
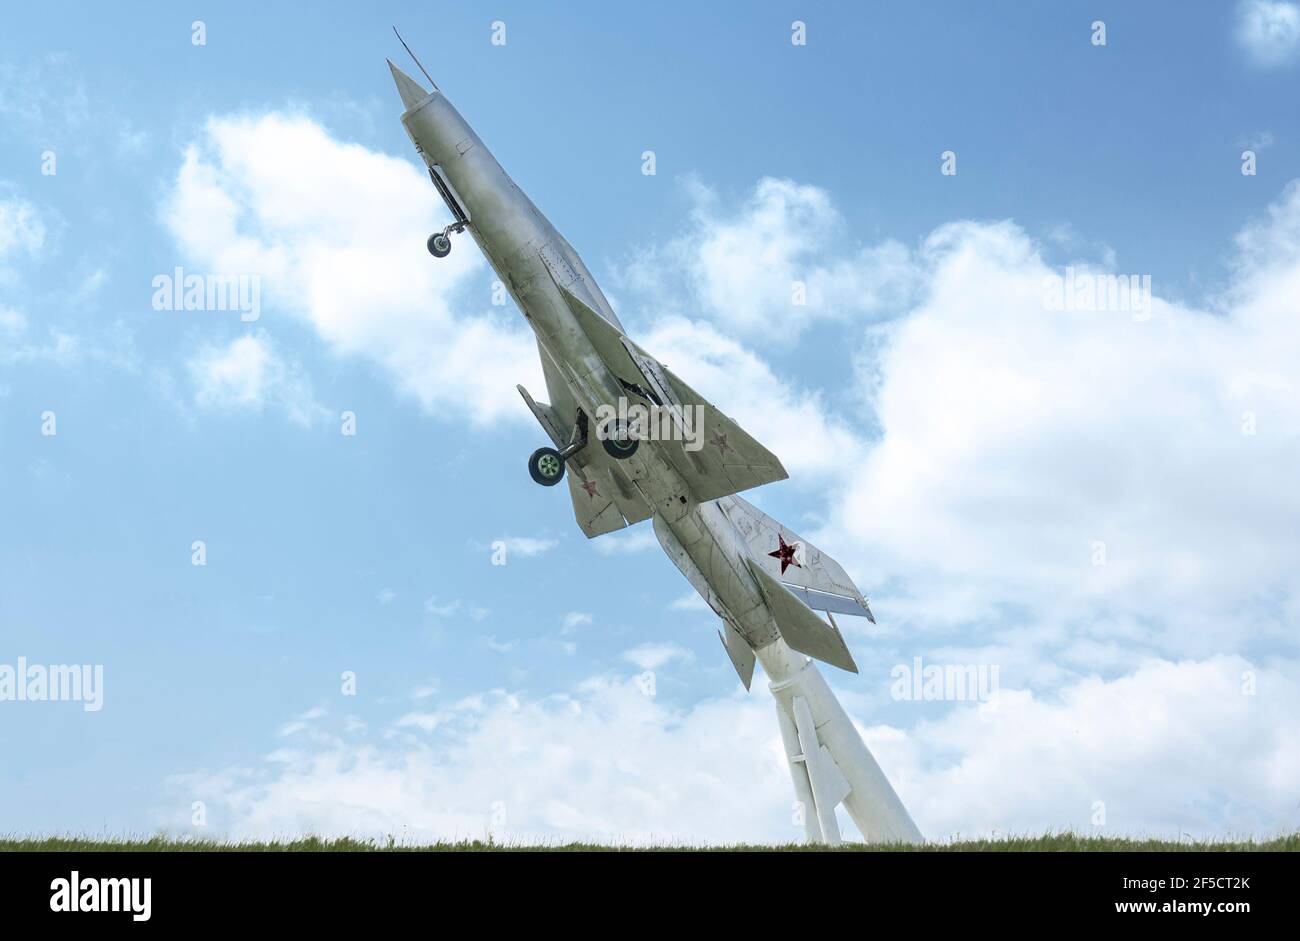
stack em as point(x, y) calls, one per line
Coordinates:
point(439, 243)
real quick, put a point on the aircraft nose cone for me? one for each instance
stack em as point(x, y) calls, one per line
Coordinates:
point(411, 91)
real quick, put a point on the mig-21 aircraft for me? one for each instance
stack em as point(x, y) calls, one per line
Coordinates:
point(635, 442)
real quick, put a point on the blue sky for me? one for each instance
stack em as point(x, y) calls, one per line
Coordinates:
point(958, 448)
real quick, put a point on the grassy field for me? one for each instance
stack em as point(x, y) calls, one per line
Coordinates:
point(1057, 843)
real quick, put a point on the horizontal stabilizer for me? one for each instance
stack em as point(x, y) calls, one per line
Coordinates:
point(813, 576)
point(800, 627)
point(826, 601)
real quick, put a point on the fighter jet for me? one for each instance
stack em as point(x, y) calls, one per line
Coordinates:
point(606, 395)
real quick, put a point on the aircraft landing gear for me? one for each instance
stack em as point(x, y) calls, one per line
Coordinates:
point(439, 243)
point(546, 466)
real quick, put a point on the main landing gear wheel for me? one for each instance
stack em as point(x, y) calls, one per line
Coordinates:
point(439, 245)
point(546, 466)
point(618, 442)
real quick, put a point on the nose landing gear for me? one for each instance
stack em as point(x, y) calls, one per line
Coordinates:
point(439, 243)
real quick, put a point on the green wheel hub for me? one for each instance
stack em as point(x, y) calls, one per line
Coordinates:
point(549, 465)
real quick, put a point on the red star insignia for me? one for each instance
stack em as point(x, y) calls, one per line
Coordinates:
point(786, 554)
point(590, 487)
point(720, 440)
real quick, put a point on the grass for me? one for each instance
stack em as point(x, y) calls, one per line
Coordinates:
point(1055, 843)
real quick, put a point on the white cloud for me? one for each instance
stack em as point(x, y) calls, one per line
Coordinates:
point(1258, 141)
point(526, 546)
point(62, 348)
point(247, 374)
point(691, 601)
point(501, 646)
point(21, 228)
point(626, 541)
point(654, 655)
point(1013, 439)
point(385, 596)
point(1171, 749)
point(1269, 31)
point(301, 723)
point(742, 266)
point(454, 608)
point(604, 762)
point(574, 620)
point(338, 239)
point(12, 322)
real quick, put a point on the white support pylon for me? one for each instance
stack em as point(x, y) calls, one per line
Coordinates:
point(829, 762)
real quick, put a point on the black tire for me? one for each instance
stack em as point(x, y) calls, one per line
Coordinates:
point(546, 467)
point(439, 245)
point(617, 443)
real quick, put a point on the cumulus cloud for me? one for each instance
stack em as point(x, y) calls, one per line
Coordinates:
point(605, 762)
point(774, 264)
point(1086, 465)
point(338, 239)
point(1205, 748)
point(654, 655)
point(247, 374)
point(1269, 31)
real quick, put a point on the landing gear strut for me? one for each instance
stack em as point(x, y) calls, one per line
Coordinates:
point(546, 465)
